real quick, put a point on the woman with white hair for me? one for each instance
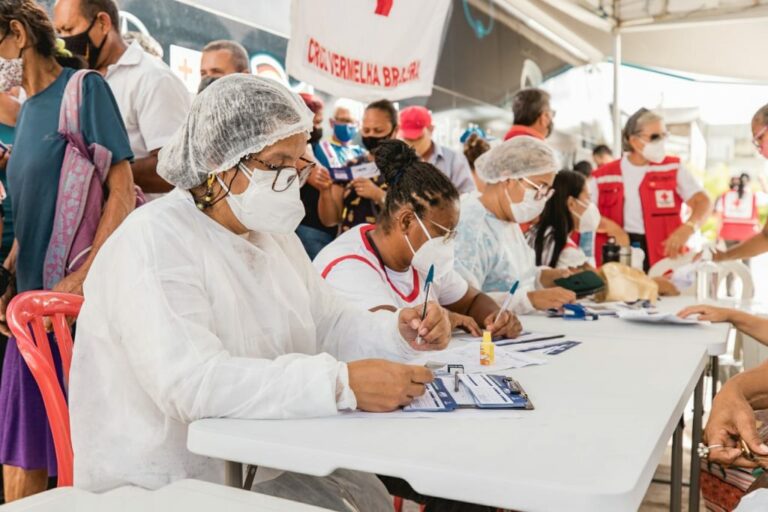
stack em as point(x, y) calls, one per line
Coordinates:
point(644, 191)
point(491, 250)
point(204, 305)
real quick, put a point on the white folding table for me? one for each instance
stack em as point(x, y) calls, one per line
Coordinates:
point(186, 495)
point(604, 413)
point(713, 337)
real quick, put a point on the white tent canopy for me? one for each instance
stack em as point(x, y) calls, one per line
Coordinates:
point(716, 38)
point(722, 38)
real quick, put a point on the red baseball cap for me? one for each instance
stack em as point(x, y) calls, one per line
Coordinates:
point(413, 120)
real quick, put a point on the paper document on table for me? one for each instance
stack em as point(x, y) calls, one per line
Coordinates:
point(469, 357)
point(658, 318)
point(435, 399)
point(524, 337)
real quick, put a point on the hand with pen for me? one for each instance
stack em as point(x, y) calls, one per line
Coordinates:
point(503, 324)
point(425, 328)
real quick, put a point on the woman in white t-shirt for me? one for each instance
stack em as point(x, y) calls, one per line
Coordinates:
point(384, 266)
point(567, 212)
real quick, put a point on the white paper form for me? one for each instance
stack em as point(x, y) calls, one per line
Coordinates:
point(506, 358)
point(485, 391)
point(658, 318)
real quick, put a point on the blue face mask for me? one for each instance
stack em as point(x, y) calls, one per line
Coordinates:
point(344, 132)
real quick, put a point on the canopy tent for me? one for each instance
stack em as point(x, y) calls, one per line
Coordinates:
point(699, 37)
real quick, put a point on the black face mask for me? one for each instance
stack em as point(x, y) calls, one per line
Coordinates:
point(315, 135)
point(205, 82)
point(371, 143)
point(81, 44)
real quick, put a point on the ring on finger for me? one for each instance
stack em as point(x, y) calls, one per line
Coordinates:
point(704, 450)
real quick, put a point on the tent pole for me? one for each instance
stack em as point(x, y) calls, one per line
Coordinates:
point(616, 110)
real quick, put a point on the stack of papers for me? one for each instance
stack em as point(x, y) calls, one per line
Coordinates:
point(469, 357)
point(658, 318)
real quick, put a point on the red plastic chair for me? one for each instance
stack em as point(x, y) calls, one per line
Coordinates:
point(25, 319)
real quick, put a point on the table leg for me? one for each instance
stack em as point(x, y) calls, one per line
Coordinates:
point(714, 364)
point(676, 487)
point(698, 412)
point(233, 474)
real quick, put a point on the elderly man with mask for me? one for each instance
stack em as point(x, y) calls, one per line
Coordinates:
point(491, 250)
point(217, 312)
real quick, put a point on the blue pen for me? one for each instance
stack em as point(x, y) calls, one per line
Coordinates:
point(507, 301)
point(427, 286)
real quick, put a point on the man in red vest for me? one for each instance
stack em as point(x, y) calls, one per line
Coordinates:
point(758, 243)
point(533, 115)
point(644, 192)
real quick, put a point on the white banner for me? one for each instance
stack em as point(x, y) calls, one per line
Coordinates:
point(367, 49)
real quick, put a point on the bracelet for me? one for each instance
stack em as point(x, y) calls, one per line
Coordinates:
point(691, 225)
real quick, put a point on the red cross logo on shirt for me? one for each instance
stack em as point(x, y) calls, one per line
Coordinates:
point(664, 199)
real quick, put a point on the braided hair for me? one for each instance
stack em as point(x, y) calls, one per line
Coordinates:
point(411, 182)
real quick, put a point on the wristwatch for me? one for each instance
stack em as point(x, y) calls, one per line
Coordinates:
point(691, 225)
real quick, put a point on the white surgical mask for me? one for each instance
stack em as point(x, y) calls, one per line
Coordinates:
point(529, 208)
point(436, 251)
point(654, 151)
point(10, 74)
point(589, 219)
point(261, 209)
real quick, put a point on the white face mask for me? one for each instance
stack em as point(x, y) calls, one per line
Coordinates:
point(436, 251)
point(529, 208)
point(10, 74)
point(654, 151)
point(589, 220)
point(263, 210)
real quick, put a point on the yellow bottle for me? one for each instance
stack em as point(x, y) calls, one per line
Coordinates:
point(486, 349)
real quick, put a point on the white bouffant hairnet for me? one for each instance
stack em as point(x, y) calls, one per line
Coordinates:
point(235, 116)
point(518, 157)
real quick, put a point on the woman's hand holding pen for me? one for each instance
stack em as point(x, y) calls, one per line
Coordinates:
point(507, 325)
point(434, 330)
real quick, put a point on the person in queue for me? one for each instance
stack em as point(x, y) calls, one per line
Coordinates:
point(383, 266)
point(644, 191)
point(234, 320)
point(318, 227)
point(152, 100)
point(474, 146)
point(491, 250)
point(737, 213)
point(221, 58)
point(416, 130)
point(360, 200)
point(602, 155)
point(532, 113)
point(32, 58)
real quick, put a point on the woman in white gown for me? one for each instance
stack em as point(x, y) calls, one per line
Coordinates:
point(204, 305)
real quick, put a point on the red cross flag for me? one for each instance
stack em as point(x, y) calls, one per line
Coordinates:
point(367, 49)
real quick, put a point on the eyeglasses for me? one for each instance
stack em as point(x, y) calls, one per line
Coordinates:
point(654, 137)
point(450, 234)
point(542, 191)
point(287, 174)
point(758, 139)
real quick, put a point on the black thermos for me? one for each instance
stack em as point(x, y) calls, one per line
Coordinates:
point(611, 250)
